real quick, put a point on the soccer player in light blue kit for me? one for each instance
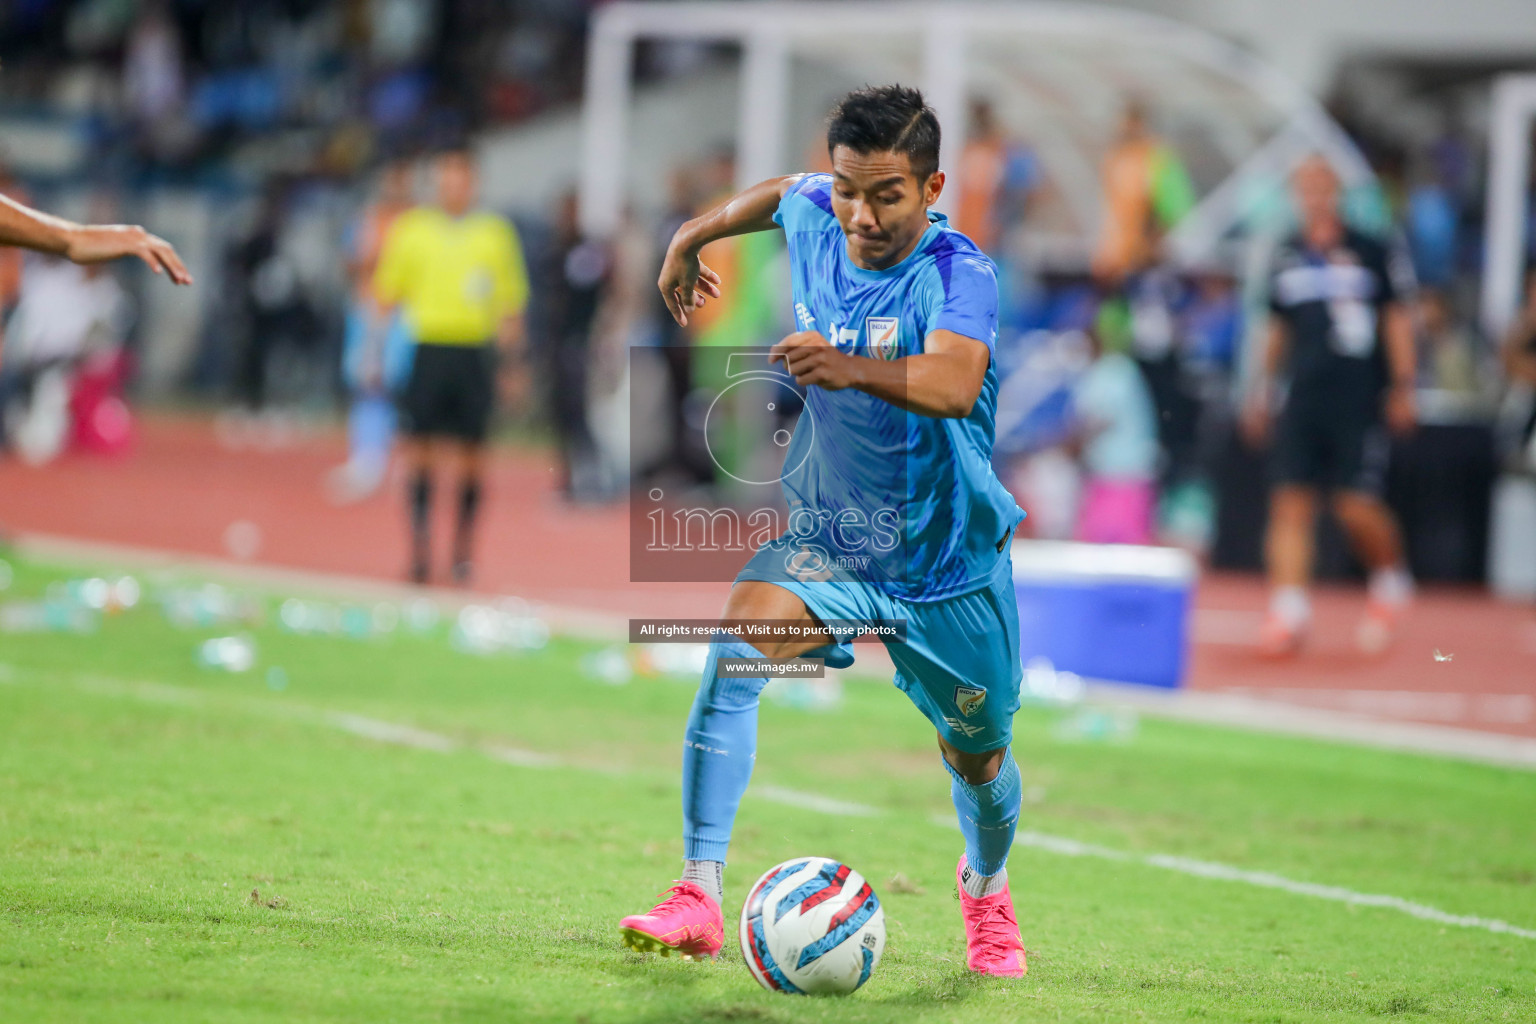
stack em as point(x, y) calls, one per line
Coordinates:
point(898, 318)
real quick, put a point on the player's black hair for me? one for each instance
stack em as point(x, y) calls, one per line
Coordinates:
point(887, 119)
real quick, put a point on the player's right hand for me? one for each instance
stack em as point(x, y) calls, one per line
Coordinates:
point(686, 282)
point(1401, 410)
point(1256, 418)
point(513, 387)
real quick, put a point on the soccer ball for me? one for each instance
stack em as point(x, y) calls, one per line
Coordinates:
point(812, 926)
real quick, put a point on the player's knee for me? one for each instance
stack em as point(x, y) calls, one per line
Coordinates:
point(780, 650)
point(1293, 505)
point(1357, 509)
point(976, 769)
point(726, 687)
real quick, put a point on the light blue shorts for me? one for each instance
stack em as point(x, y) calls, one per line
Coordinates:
point(959, 662)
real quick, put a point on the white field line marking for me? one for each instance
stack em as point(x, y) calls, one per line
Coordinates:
point(520, 757)
point(390, 732)
point(420, 739)
point(814, 802)
point(1262, 879)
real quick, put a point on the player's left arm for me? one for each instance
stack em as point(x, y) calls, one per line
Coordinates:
point(943, 382)
point(1402, 367)
point(1397, 332)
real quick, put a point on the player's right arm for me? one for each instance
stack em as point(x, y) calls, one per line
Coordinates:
point(1258, 406)
point(685, 282)
point(86, 243)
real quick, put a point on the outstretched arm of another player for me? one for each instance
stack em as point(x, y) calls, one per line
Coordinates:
point(685, 282)
point(944, 382)
point(87, 243)
point(1258, 410)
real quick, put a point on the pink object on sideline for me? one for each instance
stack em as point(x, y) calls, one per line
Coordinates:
point(1116, 512)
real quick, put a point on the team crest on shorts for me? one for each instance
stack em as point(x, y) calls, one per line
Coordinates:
point(883, 334)
point(969, 699)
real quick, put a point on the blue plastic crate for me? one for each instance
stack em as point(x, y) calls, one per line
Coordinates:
point(1105, 611)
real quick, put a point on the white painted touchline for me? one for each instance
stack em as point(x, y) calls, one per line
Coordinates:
point(398, 734)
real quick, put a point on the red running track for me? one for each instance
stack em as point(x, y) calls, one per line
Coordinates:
point(188, 480)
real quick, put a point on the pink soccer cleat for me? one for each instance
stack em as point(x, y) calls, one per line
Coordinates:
point(687, 922)
point(992, 942)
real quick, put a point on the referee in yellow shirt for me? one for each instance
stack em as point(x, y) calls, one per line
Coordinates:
point(457, 275)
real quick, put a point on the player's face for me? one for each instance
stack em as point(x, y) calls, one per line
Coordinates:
point(882, 207)
point(1317, 191)
point(455, 184)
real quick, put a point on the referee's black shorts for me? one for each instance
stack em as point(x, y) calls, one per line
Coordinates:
point(1331, 447)
point(451, 391)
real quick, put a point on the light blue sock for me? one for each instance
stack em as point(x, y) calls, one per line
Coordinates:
point(718, 750)
point(988, 815)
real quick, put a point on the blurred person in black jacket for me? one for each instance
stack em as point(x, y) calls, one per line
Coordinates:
point(576, 273)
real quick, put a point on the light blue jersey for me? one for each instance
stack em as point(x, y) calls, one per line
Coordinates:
point(910, 502)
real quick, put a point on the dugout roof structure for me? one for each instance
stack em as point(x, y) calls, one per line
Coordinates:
point(1058, 76)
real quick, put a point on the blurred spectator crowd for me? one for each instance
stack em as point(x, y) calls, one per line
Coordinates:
point(169, 86)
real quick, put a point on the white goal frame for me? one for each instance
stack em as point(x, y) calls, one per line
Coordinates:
point(1509, 166)
point(764, 30)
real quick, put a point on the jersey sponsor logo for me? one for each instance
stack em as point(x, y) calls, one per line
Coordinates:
point(963, 728)
point(1297, 285)
point(969, 699)
point(884, 336)
point(803, 316)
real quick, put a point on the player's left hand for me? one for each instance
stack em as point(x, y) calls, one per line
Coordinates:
point(1402, 410)
point(811, 359)
point(97, 243)
point(513, 386)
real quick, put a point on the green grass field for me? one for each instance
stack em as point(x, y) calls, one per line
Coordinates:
point(182, 844)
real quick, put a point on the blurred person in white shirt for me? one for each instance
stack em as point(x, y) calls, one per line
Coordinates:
point(65, 313)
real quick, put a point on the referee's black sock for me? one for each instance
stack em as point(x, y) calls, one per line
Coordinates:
point(469, 507)
point(420, 496)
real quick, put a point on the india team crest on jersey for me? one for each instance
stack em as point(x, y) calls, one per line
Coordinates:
point(883, 333)
point(969, 699)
